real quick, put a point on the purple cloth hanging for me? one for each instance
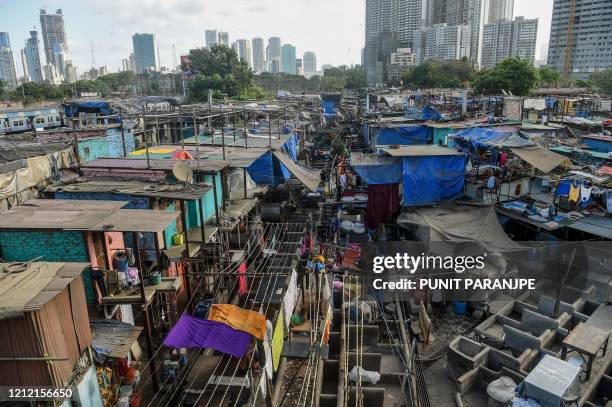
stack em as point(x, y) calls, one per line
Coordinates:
point(191, 332)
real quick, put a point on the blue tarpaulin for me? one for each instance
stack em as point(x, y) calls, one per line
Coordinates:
point(380, 171)
point(603, 146)
point(425, 113)
point(291, 146)
point(481, 137)
point(431, 179)
point(329, 106)
point(426, 179)
point(73, 109)
point(266, 171)
point(402, 135)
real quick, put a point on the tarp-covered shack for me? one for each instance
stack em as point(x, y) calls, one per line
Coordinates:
point(428, 174)
point(400, 134)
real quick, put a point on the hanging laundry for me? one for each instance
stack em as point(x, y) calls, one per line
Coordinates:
point(574, 192)
point(563, 189)
point(267, 345)
point(194, 333)
point(290, 296)
point(239, 318)
point(278, 339)
point(242, 281)
point(585, 194)
point(502, 159)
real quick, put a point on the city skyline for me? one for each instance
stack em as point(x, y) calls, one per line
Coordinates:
point(89, 23)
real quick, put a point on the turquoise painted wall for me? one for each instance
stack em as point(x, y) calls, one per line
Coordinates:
point(68, 246)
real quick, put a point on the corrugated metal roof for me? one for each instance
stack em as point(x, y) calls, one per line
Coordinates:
point(102, 219)
point(109, 185)
point(113, 338)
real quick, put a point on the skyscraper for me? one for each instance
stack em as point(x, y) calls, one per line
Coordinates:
point(24, 66)
point(243, 49)
point(378, 18)
point(5, 40)
point(443, 41)
point(144, 52)
point(223, 39)
point(210, 38)
point(259, 57)
point(496, 43)
point(273, 55)
point(32, 54)
point(54, 35)
point(589, 40)
point(504, 39)
point(7, 67)
point(288, 63)
point(310, 64)
point(407, 17)
point(500, 9)
point(524, 36)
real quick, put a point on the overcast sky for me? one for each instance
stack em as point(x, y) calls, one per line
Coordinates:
point(333, 29)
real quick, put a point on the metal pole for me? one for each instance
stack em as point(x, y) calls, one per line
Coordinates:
point(145, 308)
point(246, 134)
point(244, 173)
point(223, 137)
point(195, 133)
point(76, 142)
point(202, 221)
point(214, 177)
point(123, 138)
point(269, 131)
point(186, 233)
point(181, 127)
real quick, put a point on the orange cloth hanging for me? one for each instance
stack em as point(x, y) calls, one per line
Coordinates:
point(238, 318)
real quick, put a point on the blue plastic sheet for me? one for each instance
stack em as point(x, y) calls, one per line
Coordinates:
point(598, 145)
point(405, 135)
point(291, 146)
point(328, 106)
point(73, 109)
point(431, 179)
point(476, 137)
point(266, 171)
point(384, 173)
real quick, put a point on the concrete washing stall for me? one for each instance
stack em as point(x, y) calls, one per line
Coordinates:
point(513, 340)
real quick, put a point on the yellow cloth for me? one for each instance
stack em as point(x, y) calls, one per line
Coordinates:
point(243, 320)
point(278, 339)
point(154, 150)
point(574, 193)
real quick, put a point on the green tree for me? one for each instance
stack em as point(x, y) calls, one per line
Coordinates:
point(253, 93)
point(439, 74)
point(36, 92)
point(333, 83)
point(513, 75)
point(354, 78)
point(602, 81)
point(218, 68)
point(2, 89)
point(548, 77)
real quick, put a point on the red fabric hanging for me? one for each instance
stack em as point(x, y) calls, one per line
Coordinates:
point(383, 202)
point(242, 281)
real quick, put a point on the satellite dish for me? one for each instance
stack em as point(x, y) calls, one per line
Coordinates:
point(183, 173)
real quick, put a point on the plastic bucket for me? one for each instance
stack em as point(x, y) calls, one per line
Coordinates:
point(459, 307)
point(155, 278)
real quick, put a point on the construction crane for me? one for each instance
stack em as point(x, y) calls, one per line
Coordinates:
point(569, 43)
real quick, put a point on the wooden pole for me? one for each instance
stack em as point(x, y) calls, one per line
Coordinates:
point(145, 309)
